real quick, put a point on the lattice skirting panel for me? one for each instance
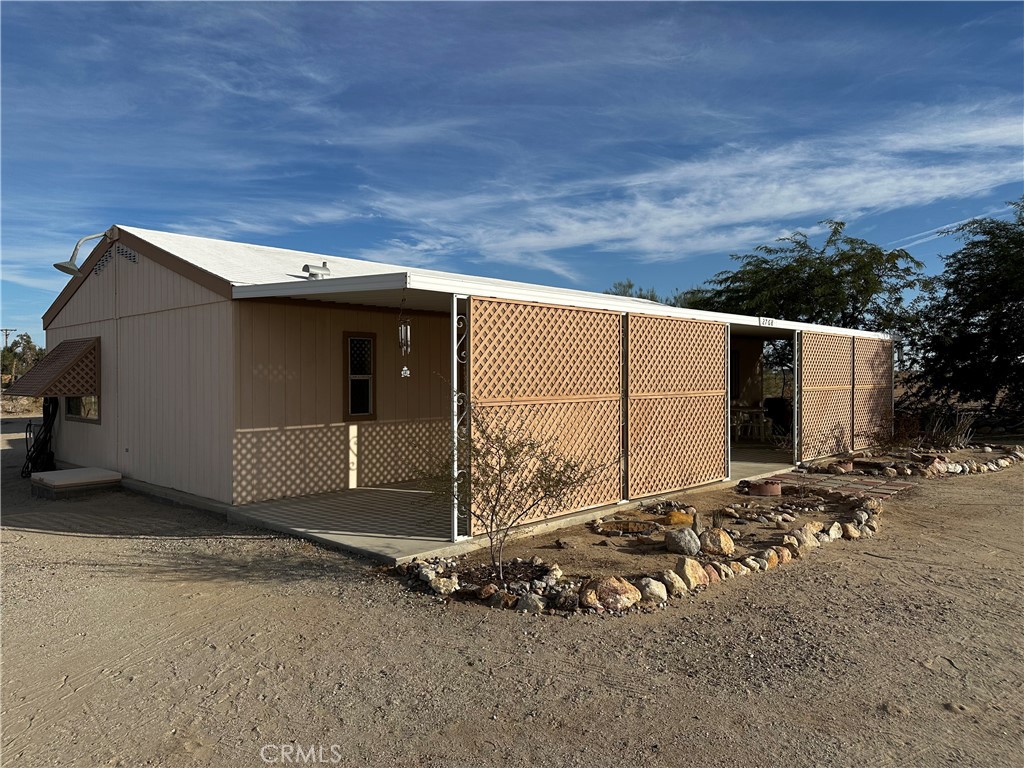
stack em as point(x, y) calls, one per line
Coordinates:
point(588, 431)
point(825, 423)
point(872, 415)
point(281, 463)
point(675, 442)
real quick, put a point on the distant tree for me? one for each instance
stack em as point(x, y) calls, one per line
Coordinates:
point(21, 354)
point(628, 288)
point(846, 281)
point(968, 345)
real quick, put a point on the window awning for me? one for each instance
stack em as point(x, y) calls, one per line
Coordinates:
point(72, 369)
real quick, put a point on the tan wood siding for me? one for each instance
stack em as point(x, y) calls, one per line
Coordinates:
point(144, 286)
point(83, 443)
point(176, 389)
point(93, 302)
point(290, 436)
point(167, 378)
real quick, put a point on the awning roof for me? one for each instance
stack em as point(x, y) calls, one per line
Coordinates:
point(72, 369)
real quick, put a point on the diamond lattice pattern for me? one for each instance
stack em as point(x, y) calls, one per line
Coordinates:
point(668, 355)
point(826, 394)
point(873, 396)
point(556, 370)
point(675, 442)
point(536, 352)
point(72, 369)
point(677, 391)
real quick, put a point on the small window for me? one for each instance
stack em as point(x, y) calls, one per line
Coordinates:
point(359, 379)
point(82, 408)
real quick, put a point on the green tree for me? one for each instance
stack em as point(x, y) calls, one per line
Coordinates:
point(628, 288)
point(969, 342)
point(846, 281)
point(21, 354)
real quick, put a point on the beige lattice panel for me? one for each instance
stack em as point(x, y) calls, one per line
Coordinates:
point(873, 363)
point(826, 360)
point(670, 356)
point(529, 352)
point(825, 422)
point(677, 386)
point(872, 415)
point(826, 394)
point(873, 395)
point(72, 369)
point(675, 442)
point(588, 431)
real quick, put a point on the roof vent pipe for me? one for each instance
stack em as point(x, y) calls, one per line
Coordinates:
point(313, 272)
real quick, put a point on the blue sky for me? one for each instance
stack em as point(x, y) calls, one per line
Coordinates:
point(568, 144)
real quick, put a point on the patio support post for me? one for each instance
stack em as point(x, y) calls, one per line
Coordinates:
point(459, 404)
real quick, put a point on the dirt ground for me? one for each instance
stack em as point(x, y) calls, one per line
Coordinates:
point(136, 633)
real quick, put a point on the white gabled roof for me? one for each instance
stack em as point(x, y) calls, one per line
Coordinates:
point(260, 271)
point(246, 264)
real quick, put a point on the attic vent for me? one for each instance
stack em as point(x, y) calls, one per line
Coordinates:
point(104, 260)
point(128, 253)
point(313, 272)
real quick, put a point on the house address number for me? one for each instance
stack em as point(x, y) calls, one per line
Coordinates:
point(766, 321)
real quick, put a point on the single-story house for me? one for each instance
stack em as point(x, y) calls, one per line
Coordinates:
point(243, 373)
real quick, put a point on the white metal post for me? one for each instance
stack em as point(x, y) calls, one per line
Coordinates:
point(728, 401)
point(455, 415)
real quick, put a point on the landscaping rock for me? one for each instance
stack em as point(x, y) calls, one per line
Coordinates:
point(682, 542)
point(652, 590)
point(872, 523)
point(677, 517)
point(712, 572)
point(850, 531)
point(443, 586)
point(610, 594)
point(752, 564)
point(565, 600)
point(674, 585)
point(484, 592)
point(532, 604)
point(715, 541)
point(724, 571)
point(770, 558)
point(691, 572)
point(783, 554)
point(834, 532)
point(739, 569)
point(502, 599)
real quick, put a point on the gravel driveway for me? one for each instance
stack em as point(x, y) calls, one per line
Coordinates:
point(136, 633)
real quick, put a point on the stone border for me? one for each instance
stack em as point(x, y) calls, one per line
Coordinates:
point(554, 594)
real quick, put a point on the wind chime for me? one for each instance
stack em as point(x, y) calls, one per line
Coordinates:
point(404, 337)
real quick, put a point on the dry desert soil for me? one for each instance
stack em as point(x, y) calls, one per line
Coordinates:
point(136, 633)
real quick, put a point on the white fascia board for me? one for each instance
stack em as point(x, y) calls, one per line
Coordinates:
point(500, 289)
point(438, 282)
point(387, 281)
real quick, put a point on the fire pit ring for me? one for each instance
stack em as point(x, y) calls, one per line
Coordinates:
point(766, 488)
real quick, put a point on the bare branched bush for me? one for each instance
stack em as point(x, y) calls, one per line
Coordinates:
point(512, 474)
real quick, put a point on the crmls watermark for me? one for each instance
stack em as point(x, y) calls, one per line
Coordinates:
point(298, 754)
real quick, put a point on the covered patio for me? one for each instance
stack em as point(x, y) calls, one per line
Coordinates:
point(392, 523)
